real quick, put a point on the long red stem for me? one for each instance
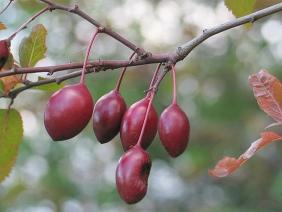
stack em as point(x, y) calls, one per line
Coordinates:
point(154, 78)
point(23, 26)
point(152, 94)
point(145, 119)
point(123, 72)
point(82, 79)
point(174, 96)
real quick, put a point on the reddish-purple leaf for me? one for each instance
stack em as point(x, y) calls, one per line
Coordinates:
point(227, 165)
point(268, 92)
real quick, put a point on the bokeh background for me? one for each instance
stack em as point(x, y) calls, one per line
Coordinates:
point(79, 175)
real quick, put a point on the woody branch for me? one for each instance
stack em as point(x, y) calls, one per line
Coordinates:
point(143, 57)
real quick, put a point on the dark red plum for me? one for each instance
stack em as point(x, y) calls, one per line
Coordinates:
point(174, 130)
point(4, 52)
point(132, 174)
point(132, 124)
point(68, 111)
point(107, 116)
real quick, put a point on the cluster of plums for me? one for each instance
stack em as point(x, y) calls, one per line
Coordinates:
point(70, 109)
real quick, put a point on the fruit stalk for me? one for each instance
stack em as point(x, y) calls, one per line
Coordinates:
point(174, 96)
point(82, 79)
point(123, 72)
point(151, 94)
point(154, 79)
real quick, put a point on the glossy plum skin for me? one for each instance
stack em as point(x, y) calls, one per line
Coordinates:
point(174, 130)
point(4, 52)
point(132, 174)
point(107, 116)
point(68, 111)
point(132, 124)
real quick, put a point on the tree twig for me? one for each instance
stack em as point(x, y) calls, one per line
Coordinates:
point(76, 10)
point(100, 64)
point(6, 7)
point(12, 94)
point(24, 25)
point(170, 58)
point(186, 48)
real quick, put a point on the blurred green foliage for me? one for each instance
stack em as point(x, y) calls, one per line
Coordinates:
point(78, 175)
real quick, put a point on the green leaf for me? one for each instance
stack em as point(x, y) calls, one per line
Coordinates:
point(9, 63)
point(11, 133)
point(33, 48)
point(1, 88)
point(52, 87)
point(240, 7)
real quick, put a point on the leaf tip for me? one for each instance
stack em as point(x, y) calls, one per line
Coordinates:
point(218, 172)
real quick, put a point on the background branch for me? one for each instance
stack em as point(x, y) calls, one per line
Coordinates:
point(186, 48)
point(6, 7)
point(76, 10)
point(24, 25)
